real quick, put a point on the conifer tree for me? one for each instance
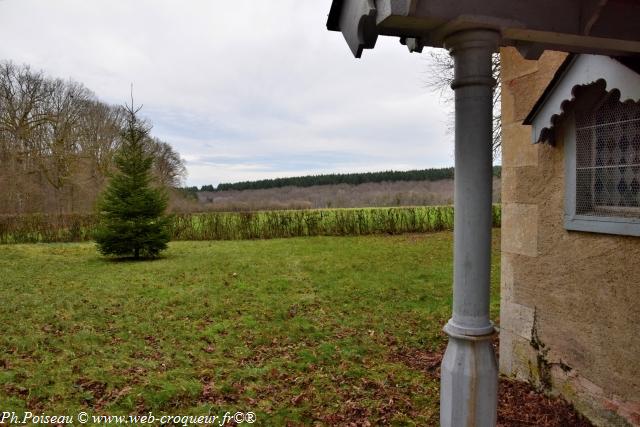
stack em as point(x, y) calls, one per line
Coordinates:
point(131, 209)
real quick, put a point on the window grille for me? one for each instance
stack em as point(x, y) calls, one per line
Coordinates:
point(607, 160)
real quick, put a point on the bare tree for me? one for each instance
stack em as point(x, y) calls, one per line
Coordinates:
point(440, 77)
point(59, 163)
point(57, 144)
point(168, 167)
point(99, 140)
point(23, 94)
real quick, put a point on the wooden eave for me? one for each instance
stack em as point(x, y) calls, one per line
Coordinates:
point(606, 27)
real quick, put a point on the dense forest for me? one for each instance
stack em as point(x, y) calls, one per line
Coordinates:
point(57, 144)
point(333, 179)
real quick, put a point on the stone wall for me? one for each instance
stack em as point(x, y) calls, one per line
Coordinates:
point(570, 309)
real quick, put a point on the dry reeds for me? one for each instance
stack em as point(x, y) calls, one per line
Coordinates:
point(246, 225)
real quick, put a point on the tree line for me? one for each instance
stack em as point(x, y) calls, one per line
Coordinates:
point(58, 143)
point(433, 174)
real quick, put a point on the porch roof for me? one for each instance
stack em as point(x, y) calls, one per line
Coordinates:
point(605, 27)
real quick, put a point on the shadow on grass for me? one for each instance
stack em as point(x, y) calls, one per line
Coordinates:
point(131, 259)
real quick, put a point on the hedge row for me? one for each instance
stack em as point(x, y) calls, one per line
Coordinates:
point(246, 225)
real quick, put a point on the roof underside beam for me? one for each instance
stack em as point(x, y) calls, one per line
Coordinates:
point(583, 26)
point(590, 13)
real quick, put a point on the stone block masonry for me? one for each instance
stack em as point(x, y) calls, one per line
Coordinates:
point(569, 300)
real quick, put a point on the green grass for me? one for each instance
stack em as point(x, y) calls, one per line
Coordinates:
point(302, 330)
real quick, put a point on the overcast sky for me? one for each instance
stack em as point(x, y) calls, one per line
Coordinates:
point(242, 89)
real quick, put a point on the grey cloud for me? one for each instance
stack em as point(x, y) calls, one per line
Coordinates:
point(262, 85)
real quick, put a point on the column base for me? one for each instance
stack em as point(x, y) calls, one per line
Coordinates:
point(453, 329)
point(469, 382)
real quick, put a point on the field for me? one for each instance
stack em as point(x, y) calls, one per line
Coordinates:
point(246, 225)
point(371, 194)
point(325, 330)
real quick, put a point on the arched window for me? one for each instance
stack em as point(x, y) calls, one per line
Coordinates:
point(602, 152)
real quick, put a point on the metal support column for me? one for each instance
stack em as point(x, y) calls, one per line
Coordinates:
point(469, 374)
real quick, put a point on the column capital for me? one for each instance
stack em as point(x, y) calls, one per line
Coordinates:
point(477, 38)
point(472, 51)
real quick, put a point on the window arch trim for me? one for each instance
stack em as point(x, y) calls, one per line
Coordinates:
point(577, 72)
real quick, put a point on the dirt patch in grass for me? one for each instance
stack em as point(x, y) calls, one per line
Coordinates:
point(368, 403)
point(427, 361)
point(519, 404)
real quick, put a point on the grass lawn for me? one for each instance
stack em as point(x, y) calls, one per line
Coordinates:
point(303, 330)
